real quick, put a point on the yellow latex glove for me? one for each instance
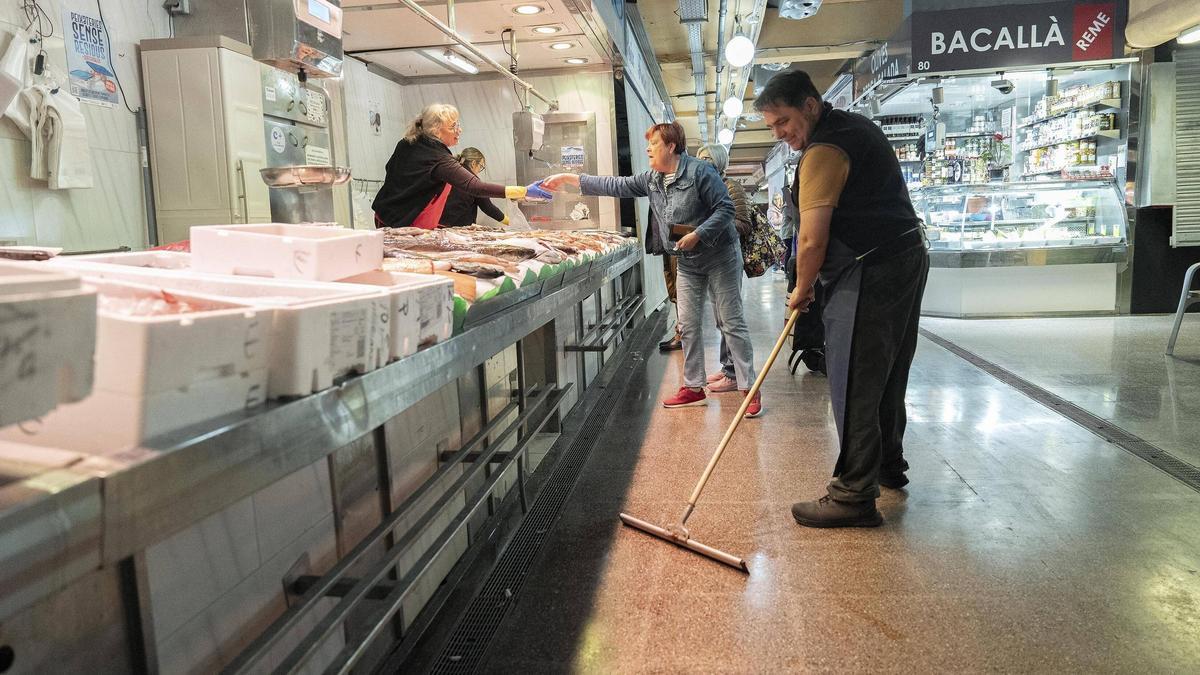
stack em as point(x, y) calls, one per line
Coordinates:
point(505, 221)
point(514, 192)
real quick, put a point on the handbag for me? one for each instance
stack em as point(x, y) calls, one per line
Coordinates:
point(431, 215)
point(762, 248)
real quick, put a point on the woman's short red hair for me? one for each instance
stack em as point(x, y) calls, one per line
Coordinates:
point(671, 132)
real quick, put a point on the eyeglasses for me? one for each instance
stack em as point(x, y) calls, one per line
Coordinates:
point(457, 127)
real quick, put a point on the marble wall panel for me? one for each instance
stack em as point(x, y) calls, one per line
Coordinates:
point(111, 213)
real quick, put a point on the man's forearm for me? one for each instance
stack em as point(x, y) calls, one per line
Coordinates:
point(810, 255)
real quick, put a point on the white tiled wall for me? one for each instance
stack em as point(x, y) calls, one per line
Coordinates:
point(110, 214)
point(486, 106)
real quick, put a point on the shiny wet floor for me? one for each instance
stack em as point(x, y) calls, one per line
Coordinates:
point(1024, 542)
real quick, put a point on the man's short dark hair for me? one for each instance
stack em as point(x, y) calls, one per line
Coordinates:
point(790, 88)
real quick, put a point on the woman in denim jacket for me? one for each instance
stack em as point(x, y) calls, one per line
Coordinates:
point(688, 195)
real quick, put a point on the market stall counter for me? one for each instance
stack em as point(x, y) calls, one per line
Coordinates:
point(204, 536)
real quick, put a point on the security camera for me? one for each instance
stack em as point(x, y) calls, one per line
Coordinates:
point(1003, 86)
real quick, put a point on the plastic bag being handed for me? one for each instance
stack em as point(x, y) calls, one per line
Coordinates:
point(517, 221)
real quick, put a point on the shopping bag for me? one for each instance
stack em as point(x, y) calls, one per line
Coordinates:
point(762, 248)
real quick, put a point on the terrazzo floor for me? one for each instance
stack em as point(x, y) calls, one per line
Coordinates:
point(1024, 542)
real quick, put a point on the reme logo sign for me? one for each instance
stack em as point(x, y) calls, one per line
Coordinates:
point(1016, 35)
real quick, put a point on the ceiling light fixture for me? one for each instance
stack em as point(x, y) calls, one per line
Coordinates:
point(739, 51)
point(1190, 36)
point(733, 107)
point(528, 10)
point(725, 136)
point(547, 30)
point(559, 46)
point(449, 58)
point(576, 61)
point(1051, 84)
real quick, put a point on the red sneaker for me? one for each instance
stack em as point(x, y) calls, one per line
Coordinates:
point(755, 408)
point(716, 377)
point(684, 398)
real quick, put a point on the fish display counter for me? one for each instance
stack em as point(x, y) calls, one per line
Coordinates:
point(413, 450)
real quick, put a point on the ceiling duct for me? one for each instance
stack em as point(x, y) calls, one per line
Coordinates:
point(688, 11)
point(798, 9)
point(693, 11)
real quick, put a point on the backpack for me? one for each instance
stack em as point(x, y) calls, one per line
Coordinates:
point(762, 248)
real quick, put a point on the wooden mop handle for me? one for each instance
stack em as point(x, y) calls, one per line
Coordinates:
point(737, 419)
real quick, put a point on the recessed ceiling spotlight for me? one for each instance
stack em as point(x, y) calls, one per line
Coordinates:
point(559, 46)
point(547, 30)
point(576, 61)
point(528, 10)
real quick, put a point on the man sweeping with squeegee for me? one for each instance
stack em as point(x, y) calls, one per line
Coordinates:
point(858, 234)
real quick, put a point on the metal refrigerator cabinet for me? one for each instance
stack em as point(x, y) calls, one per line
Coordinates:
point(216, 118)
point(205, 118)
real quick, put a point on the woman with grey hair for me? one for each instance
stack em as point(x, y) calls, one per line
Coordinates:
point(725, 379)
point(422, 170)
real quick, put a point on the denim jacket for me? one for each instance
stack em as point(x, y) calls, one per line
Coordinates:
point(697, 197)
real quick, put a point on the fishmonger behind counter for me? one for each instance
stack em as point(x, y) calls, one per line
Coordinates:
point(422, 172)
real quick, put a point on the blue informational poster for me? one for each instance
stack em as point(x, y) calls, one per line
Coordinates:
point(89, 57)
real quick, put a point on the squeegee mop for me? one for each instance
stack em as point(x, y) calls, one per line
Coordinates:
point(677, 533)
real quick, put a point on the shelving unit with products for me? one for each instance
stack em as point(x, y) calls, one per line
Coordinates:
point(1077, 130)
point(1034, 215)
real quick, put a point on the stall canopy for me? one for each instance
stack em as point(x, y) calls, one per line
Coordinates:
point(1153, 22)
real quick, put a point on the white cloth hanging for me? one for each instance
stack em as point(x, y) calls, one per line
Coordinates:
point(52, 120)
point(15, 64)
point(68, 159)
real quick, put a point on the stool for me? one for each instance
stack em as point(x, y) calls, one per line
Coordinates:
point(1186, 298)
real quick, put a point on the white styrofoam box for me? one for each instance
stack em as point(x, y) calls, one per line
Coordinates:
point(319, 331)
point(159, 260)
point(141, 355)
point(48, 329)
point(314, 252)
point(422, 308)
point(107, 421)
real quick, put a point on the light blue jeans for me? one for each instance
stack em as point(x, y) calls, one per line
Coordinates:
point(726, 357)
point(719, 273)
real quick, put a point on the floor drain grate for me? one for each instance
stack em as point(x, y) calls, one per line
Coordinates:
point(1178, 469)
point(471, 636)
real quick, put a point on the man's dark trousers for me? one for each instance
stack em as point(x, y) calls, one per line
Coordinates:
point(872, 312)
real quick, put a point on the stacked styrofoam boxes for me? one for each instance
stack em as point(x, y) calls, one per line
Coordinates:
point(48, 333)
point(422, 308)
point(159, 373)
point(319, 331)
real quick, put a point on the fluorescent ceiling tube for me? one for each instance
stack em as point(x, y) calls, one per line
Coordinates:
point(1190, 36)
point(739, 51)
point(454, 61)
point(733, 107)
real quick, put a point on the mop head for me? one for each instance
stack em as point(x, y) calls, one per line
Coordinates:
point(678, 535)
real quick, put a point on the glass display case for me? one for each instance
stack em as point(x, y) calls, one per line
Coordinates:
point(999, 216)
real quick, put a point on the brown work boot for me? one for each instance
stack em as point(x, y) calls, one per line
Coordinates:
point(825, 512)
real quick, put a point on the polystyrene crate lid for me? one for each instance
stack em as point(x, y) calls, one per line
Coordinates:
point(19, 278)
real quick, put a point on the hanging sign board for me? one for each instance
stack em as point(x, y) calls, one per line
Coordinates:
point(1017, 35)
point(892, 59)
point(89, 57)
